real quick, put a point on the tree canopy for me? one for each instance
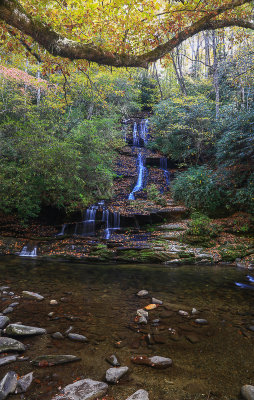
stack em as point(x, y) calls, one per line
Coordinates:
point(116, 33)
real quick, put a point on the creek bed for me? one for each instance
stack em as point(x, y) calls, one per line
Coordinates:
point(100, 302)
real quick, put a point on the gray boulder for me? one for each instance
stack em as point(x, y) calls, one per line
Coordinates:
point(8, 384)
point(23, 330)
point(77, 338)
point(114, 374)
point(8, 344)
point(3, 321)
point(24, 383)
point(85, 389)
point(32, 295)
point(247, 392)
point(54, 359)
point(7, 360)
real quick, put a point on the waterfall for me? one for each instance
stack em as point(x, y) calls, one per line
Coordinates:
point(141, 175)
point(164, 167)
point(62, 231)
point(144, 130)
point(124, 129)
point(107, 217)
point(135, 135)
point(89, 221)
point(26, 253)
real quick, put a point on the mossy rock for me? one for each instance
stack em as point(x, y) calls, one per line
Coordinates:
point(205, 241)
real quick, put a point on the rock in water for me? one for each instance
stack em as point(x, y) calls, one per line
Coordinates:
point(8, 384)
point(139, 395)
point(155, 361)
point(76, 337)
point(247, 392)
point(142, 293)
point(7, 344)
point(113, 360)
point(201, 321)
point(156, 301)
point(23, 330)
point(86, 389)
point(7, 360)
point(114, 374)
point(24, 383)
point(3, 321)
point(32, 295)
point(54, 359)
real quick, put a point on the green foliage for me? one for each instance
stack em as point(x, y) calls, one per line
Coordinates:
point(154, 194)
point(198, 189)
point(201, 225)
point(185, 129)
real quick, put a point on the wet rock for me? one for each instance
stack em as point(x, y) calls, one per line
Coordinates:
point(142, 293)
point(8, 344)
point(23, 330)
point(247, 392)
point(55, 359)
point(201, 321)
point(7, 360)
point(141, 320)
point(154, 362)
point(53, 302)
point(51, 314)
point(251, 328)
point(76, 337)
point(4, 288)
point(3, 321)
point(14, 304)
point(194, 311)
point(139, 395)
point(114, 374)
point(32, 295)
point(24, 383)
point(8, 310)
point(113, 360)
point(142, 313)
point(156, 301)
point(8, 384)
point(85, 389)
point(183, 313)
point(57, 335)
point(68, 330)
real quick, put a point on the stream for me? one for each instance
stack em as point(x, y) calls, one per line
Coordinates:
point(210, 361)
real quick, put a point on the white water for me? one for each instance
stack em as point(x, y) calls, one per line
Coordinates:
point(62, 231)
point(106, 217)
point(164, 167)
point(25, 253)
point(135, 135)
point(89, 221)
point(144, 130)
point(141, 175)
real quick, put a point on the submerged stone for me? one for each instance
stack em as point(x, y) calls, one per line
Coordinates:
point(77, 338)
point(139, 395)
point(23, 330)
point(8, 344)
point(8, 384)
point(7, 310)
point(32, 295)
point(113, 360)
point(142, 293)
point(86, 389)
point(114, 374)
point(201, 321)
point(154, 362)
point(54, 359)
point(3, 321)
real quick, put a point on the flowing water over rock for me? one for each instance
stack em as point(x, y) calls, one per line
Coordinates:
point(28, 253)
point(212, 360)
point(141, 176)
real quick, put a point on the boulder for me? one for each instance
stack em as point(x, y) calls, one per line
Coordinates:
point(139, 395)
point(24, 383)
point(8, 344)
point(247, 392)
point(54, 359)
point(23, 330)
point(85, 389)
point(3, 321)
point(114, 374)
point(154, 362)
point(8, 384)
point(32, 295)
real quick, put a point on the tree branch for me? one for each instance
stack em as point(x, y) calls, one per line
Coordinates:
point(15, 15)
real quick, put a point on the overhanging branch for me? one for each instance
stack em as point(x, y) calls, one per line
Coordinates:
point(16, 16)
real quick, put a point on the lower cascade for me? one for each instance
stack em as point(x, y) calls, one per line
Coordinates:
point(26, 253)
point(164, 167)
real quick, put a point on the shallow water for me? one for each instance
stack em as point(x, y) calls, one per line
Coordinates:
point(103, 298)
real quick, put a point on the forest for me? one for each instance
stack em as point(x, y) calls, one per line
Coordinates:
point(127, 176)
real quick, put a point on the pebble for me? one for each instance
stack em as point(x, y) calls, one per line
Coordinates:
point(142, 293)
point(201, 321)
point(57, 335)
point(142, 313)
point(7, 360)
point(7, 310)
point(76, 337)
point(114, 374)
point(53, 302)
point(3, 288)
point(194, 311)
point(156, 301)
point(183, 313)
point(247, 392)
point(51, 314)
point(55, 359)
point(13, 305)
point(139, 395)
